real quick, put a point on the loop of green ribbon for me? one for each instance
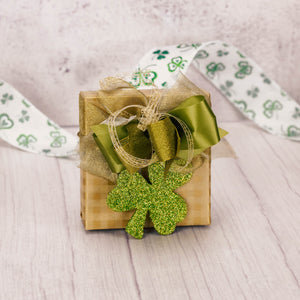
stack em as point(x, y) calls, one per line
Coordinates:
point(166, 137)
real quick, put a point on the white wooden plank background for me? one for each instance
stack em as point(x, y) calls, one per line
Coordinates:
point(251, 250)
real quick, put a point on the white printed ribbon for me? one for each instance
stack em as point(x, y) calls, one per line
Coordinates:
point(238, 77)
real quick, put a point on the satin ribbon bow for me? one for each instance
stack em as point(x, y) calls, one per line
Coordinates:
point(165, 137)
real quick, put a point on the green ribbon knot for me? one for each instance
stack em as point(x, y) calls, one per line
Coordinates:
point(165, 137)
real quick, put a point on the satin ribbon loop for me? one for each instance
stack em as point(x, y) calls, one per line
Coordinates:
point(185, 131)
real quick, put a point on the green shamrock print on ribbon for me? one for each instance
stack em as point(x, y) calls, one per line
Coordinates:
point(165, 207)
point(212, 68)
point(6, 97)
point(164, 85)
point(187, 47)
point(6, 122)
point(52, 124)
point(222, 53)
point(59, 139)
point(244, 70)
point(161, 54)
point(176, 62)
point(24, 116)
point(242, 105)
point(297, 113)
point(293, 131)
point(143, 77)
point(253, 92)
point(201, 54)
point(271, 106)
point(225, 88)
point(265, 78)
point(241, 54)
point(25, 140)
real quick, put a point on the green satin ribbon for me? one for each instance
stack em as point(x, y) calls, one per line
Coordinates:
point(198, 116)
point(167, 137)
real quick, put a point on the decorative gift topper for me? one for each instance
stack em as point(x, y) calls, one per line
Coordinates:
point(236, 75)
point(153, 145)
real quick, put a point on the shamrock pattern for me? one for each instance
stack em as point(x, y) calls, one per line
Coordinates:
point(143, 77)
point(6, 97)
point(244, 69)
point(187, 47)
point(6, 122)
point(293, 131)
point(253, 92)
point(52, 124)
point(296, 113)
point(24, 126)
point(241, 54)
point(201, 54)
point(226, 88)
point(270, 107)
point(265, 78)
point(213, 68)
point(24, 117)
point(165, 207)
point(222, 53)
point(58, 139)
point(176, 62)
point(219, 68)
point(242, 105)
point(25, 140)
point(161, 54)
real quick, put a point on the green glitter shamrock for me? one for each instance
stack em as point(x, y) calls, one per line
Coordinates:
point(161, 54)
point(165, 207)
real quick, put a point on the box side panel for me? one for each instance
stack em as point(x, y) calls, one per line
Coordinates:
point(96, 214)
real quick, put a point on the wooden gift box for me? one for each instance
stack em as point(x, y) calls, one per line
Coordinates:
point(95, 213)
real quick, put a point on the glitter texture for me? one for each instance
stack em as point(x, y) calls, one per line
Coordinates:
point(165, 207)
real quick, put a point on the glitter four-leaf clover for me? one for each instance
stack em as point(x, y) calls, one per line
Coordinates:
point(165, 207)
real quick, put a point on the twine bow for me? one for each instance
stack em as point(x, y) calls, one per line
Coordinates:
point(149, 135)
